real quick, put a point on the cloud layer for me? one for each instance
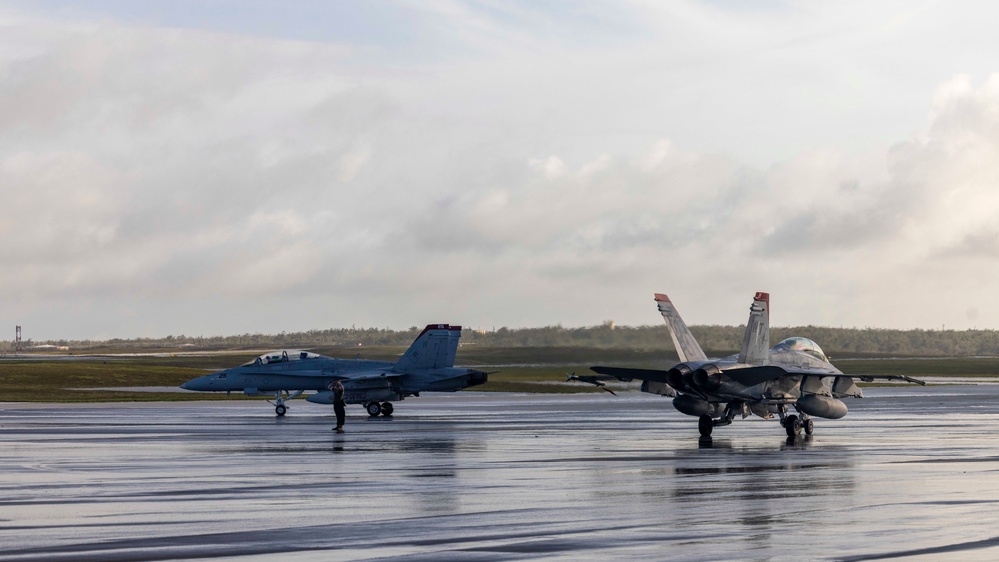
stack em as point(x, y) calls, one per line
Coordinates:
point(509, 170)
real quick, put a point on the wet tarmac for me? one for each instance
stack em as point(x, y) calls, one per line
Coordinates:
point(910, 473)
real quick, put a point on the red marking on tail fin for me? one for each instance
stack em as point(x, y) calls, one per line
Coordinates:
point(661, 298)
point(763, 297)
point(436, 327)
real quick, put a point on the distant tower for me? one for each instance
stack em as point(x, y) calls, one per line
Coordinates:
point(17, 341)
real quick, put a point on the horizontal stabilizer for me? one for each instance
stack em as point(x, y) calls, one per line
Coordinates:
point(590, 379)
point(872, 378)
point(625, 374)
point(751, 376)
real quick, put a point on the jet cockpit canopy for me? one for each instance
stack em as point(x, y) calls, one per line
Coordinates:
point(283, 355)
point(804, 345)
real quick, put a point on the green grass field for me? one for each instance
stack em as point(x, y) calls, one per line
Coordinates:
point(537, 370)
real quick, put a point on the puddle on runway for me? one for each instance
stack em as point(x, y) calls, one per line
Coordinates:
point(499, 477)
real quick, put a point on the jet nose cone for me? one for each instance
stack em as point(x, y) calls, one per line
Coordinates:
point(198, 384)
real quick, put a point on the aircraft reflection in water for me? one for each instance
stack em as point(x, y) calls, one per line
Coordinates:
point(759, 380)
point(428, 365)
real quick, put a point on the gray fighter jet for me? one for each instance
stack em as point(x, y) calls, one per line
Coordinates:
point(761, 380)
point(428, 365)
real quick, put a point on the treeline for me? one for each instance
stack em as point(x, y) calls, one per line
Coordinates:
point(716, 340)
point(723, 340)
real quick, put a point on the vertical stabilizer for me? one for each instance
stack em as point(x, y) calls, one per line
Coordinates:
point(430, 350)
point(686, 346)
point(453, 335)
point(756, 342)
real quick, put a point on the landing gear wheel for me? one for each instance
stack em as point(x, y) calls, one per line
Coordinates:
point(793, 425)
point(808, 426)
point(387, 409)
point(705, 425)
point(280, 410)
point(374, 409)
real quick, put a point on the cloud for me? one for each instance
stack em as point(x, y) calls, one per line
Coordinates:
point(884, 224)
point(204, 182)
point(162, 149)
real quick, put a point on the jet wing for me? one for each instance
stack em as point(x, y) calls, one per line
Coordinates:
point(295, 373)
point(335, 375)
point(628, 375)
point(653, 380)
point(750, 376)
point(810, 379)
point(746, 376)
point(362, 375)
point(872, 378)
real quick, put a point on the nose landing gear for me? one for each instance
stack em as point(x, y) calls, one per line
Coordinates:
point(280, 397)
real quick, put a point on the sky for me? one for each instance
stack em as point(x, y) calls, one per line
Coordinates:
point(228, 167)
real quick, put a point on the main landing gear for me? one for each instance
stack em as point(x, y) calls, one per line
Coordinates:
point(705, 423)
point(375, 409)
point(794, 425)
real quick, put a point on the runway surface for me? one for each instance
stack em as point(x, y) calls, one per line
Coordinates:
point(910, 472)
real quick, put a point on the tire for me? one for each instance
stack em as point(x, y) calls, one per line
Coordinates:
point(387, 409)
point(374, 409)
point(280, 410)
point(808, 426)
point(705, 425)
point(793, 425)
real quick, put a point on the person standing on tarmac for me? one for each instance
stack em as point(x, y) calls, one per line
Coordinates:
point(338, 405)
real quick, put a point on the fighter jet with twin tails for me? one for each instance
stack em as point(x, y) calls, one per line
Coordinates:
point(428, 365)
point(761, 380)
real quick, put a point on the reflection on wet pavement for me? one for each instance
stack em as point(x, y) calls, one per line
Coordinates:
point(500, 477)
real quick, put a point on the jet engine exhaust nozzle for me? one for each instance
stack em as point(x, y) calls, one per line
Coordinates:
point(674, 377)
point(708, 378)
point(476, 378)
